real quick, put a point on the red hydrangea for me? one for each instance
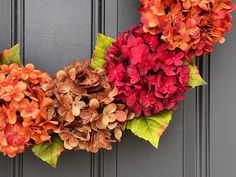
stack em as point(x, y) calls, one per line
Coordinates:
point(149, 77)
point(193, 26)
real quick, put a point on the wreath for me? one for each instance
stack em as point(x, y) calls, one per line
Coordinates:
point(133, 82)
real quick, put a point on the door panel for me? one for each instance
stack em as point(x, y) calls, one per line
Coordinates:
point(4, 166)
point(5, 24)
point(134, 157)
point(70, 164)
point(222, 109)
point(57, 32)
point(137, 158)
point(127, 14)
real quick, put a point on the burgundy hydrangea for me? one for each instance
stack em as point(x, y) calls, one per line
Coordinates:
point(149, 77)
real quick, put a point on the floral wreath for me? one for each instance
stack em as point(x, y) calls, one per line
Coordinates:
point(133, 82)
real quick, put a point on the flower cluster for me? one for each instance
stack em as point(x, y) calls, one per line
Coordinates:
point(86, 109)
point(194, 26)
point(149, 77)
point(24, 119)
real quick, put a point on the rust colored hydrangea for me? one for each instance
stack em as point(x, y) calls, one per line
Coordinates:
point(86, 109)
point(24, 120)
point(149, 77)
point(193, 26)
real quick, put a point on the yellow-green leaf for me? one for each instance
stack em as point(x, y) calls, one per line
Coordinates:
point(49, 151)
point(103, 43)
point(11, 55)
point(150, 128)
point(195, 78)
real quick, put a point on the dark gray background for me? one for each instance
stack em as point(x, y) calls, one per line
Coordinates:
point(201, 139)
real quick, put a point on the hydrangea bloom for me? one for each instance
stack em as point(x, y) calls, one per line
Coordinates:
point(194, 26)
point(23, 108)
point(149, 77)
point(89, 116)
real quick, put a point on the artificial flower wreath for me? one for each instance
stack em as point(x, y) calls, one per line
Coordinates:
point(133, 82)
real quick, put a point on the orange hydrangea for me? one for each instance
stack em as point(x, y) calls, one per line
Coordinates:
point(24, 108)
point(194, 26)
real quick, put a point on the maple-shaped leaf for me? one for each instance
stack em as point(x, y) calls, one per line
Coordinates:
point(49, 151)
point(103, 43)
point(150, 128)
point(11, 55)
point(195, 79)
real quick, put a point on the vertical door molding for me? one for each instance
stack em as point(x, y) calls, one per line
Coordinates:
point(17, 23)
point(110, 28)
point(98, 26)
point(203, 120)
point(17, 36)
point(196, 146)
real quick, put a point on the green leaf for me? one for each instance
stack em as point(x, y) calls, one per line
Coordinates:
point(103, 43)
point(150, 128)
point(49, 151)
point(195, 78)
point(11, 55)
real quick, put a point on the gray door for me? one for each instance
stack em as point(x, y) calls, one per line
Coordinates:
point(201, 139)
